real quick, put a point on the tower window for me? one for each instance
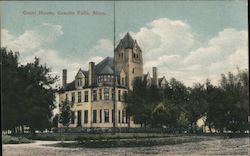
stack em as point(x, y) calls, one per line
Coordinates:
point(133, 70)
point(134, 55)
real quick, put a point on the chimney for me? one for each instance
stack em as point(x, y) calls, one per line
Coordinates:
point(64, 78)
point(155, 76)
point(91, 73)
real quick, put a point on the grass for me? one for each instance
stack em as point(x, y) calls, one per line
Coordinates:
point(134, 142)
point(6, 139)
point(84, 136)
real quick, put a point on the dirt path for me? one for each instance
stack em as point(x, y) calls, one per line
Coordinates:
point(235, 146)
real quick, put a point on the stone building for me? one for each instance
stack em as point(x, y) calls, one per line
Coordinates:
point(92, 91)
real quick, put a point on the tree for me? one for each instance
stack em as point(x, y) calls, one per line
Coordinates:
point(228, 103)
point(182, 121)
point(28, 94)
point(141, 101)
point(40, 97)
point(55, 120)
point(9, 82)
point(165, 114)
point(65, 113)
point(197, 104)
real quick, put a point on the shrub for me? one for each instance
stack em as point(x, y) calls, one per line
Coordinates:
point(6, 139)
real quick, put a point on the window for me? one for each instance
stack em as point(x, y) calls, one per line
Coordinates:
point(100, 116)
point(94, 116)
point(134, 55)
point(105, 78)
point(86, 96)
point(79, 82)
point(113, 94)
point(113, 115)
point(119, 95)
point(106, 93)
point(86, 116)
point(100, 94)
point(123, 81)
point(123, 115)
point(106, 115)
point(94, 95)
point(108, 78)
point(73, 97)
point(66, 98)
point(133, 70)
point(126, 117)
point(72, 117)
point(79, 97)
point(119, 116)
point(79, 118)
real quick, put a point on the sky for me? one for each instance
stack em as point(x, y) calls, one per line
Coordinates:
point(188, 40)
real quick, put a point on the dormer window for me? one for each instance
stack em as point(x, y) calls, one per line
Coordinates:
point(79, 82)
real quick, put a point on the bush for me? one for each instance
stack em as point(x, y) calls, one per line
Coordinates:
point(6, 139)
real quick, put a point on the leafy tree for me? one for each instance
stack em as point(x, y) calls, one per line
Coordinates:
point(55, 120)
point(182, 121)
point(27, 92)
point(9, 82)
point(65, 113)
point(165, 114)
point(197, 104)
point(228, 103)
point(141, 101)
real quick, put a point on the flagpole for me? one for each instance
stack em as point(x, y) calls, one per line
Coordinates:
point(114, 79)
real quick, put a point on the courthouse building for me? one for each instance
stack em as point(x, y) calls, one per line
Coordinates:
point(92, 91)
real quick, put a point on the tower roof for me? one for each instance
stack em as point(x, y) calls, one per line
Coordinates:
point(127, 42)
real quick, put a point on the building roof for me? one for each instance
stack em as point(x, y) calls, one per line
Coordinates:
point(160, 79)
point(105, 63)
point(70, 86)
point(107, 70)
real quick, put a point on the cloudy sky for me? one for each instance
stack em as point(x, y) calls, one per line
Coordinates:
point(188, 40)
